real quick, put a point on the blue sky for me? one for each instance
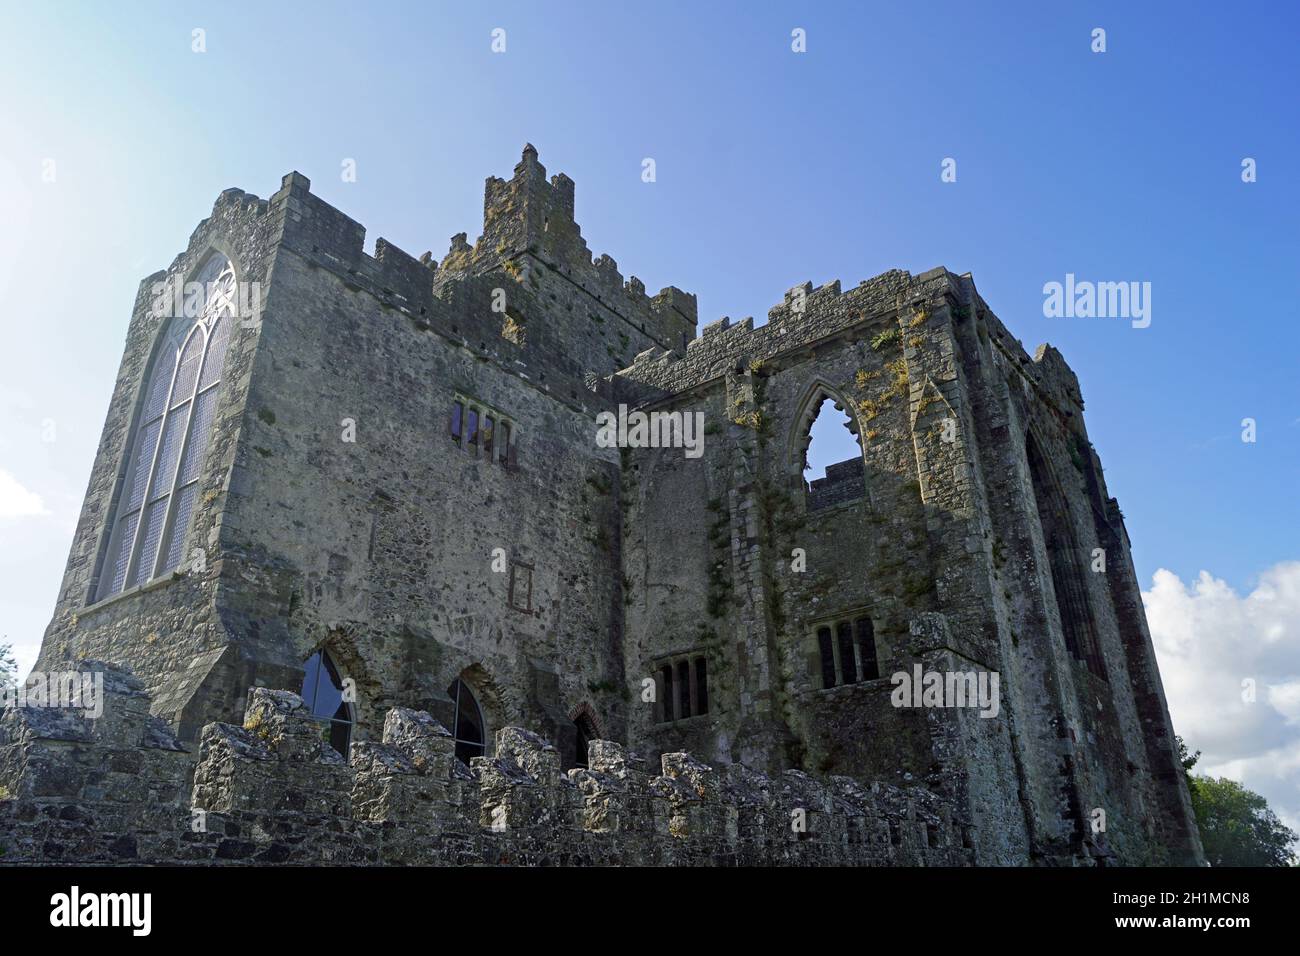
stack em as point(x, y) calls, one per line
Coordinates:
point(773, 168)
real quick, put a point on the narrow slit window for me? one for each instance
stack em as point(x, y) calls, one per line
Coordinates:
point(586, 733)
point(848, 668)
point(487, 437)
point(504, 442)
point(666, 693)
point(457, 413)
point(684, 688)
point(827, 651)
point(866, 638)
point(471, 428)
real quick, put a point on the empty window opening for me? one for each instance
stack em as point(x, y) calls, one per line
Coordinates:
point(586, 734)
point(848, 665)
point(683, 689)
point(827, 653)
point(322, 692)
point(470, 730)
point(833, 472)
point(702, 684)
point(504, 442)
point(471, 428)
point(866, 645)
point(847, 655)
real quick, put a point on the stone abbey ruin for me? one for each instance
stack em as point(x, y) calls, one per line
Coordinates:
point(361, 586)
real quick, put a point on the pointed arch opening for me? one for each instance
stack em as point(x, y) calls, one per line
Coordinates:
point(586, 730)
point(1066, 561)
point(469, 729)
point(828, 451)
point(169, 438)
point(325, 695)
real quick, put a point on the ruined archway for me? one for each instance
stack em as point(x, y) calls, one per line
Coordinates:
point(826, 450)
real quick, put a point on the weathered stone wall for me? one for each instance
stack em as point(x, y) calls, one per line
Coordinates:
point(873, 554)
point(982, 501)
point(387, 542)
point(312, 540)
point(1082, 739)
point(116, 790)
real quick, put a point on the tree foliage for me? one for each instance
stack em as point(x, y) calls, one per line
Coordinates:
point(1237, 826)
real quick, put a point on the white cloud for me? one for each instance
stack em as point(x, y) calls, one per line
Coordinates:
point(1210, 640)
point(16, 501)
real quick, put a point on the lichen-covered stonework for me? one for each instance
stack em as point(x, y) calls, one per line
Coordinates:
point(337, 512)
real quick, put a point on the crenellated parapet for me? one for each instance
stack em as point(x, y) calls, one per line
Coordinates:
point(272, 790)
point(531, 246)
point(529, 221)
point(100, 780)
point(806, 318)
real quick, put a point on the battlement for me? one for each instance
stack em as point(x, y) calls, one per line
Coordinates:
point(529, 232)
point(805, 317)
point(530, 247)
point(116, 788)
point(456, 307)
point(808, 317)
point(529, 215)
point(842, 484)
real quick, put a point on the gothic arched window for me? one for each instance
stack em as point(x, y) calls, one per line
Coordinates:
point(322, 692)
point(170, 437)
point(831, 454)
point(469, 729)
point(586, 734)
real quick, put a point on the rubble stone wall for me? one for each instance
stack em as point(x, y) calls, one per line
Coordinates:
point(122, 789)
